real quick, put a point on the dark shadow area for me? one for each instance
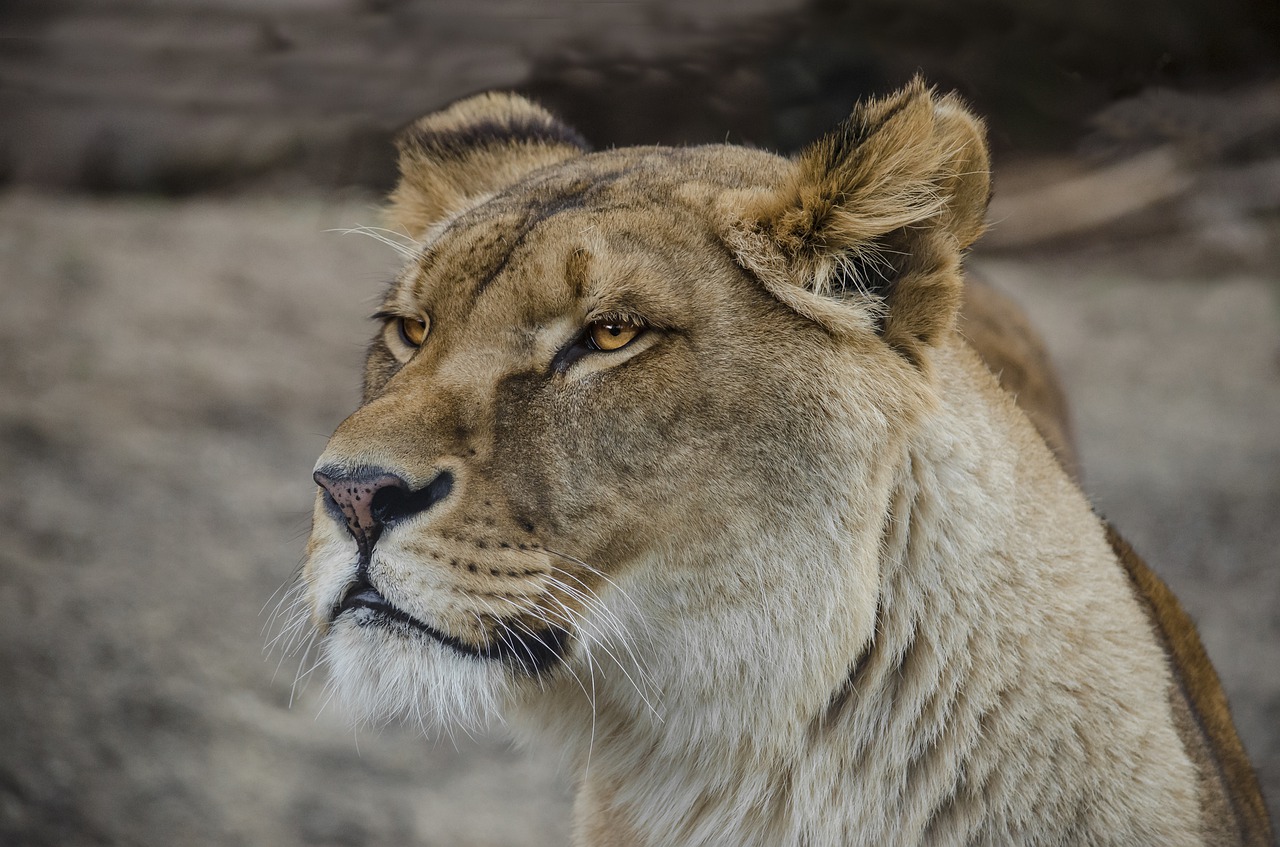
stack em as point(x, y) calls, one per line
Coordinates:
point(179, 98)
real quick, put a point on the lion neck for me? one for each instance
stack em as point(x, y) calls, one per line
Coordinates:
point(975, 702)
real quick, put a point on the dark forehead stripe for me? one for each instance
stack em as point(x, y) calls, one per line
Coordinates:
point(460, 142)
point(576, 269)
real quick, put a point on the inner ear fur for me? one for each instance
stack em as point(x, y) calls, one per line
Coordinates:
point(868, 229)
point(453, 158)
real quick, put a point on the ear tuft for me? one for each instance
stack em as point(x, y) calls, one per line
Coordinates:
point(907, 159)
point(874, 217)
point(451, 159)
point(867, 177)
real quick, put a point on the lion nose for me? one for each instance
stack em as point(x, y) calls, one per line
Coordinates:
point(370, 500)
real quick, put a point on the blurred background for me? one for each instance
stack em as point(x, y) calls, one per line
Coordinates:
point(182, 320)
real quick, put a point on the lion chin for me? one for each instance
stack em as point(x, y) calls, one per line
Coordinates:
point(678, 459)
point(382, 670)
point(385, 664)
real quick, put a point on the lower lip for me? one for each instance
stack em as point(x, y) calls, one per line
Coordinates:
point(531, 653)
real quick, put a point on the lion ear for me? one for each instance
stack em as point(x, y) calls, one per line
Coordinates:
point(451, 159)
point(868, 229)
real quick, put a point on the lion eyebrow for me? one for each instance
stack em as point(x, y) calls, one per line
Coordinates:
point(384, 310)
point(386, 303)
point(400, 295)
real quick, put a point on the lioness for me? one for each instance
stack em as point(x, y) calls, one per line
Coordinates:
point(676, 457)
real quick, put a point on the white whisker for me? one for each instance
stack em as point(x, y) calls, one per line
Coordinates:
point(608, 618)
point(406, 250)
point(590, 638)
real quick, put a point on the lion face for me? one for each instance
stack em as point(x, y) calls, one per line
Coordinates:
point(604, 394)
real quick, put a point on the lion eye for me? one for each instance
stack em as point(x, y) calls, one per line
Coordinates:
point(413, 331)
point(612, 334)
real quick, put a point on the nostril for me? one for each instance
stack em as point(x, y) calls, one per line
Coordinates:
point(388, 504)
point(394, 504)
point(438, 489)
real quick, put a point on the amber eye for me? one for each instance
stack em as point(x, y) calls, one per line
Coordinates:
point(413, 331)
point(612, 334)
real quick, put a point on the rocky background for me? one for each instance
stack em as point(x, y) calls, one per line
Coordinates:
point(181, 323)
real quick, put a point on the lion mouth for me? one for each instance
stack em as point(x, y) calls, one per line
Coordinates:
point(515, 644)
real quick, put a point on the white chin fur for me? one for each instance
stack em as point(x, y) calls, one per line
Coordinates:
point(378, 676)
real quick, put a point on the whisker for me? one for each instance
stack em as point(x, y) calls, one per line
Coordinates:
point(591, 738)
point(405, 238)
point(293, 689)
point(595, 571)
point(506, 630)
point(332, 690)
point(596, 603)
point(286, 587)
point(590, 695)
point(592, 638)
point(406, 251)
point(293, 591)
point(587, 597)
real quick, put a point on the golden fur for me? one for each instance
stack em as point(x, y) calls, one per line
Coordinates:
point(786, 566)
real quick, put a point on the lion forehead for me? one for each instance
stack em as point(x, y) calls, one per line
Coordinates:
point(620, 227)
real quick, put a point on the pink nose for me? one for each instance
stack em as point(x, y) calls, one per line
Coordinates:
point(355, 496)
point(372, 500)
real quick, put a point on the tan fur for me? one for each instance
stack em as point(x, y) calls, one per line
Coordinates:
point(789, 568)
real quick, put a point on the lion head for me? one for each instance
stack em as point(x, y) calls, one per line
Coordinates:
point(630, 417)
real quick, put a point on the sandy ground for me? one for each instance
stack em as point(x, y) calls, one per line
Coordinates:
point(171, 370)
